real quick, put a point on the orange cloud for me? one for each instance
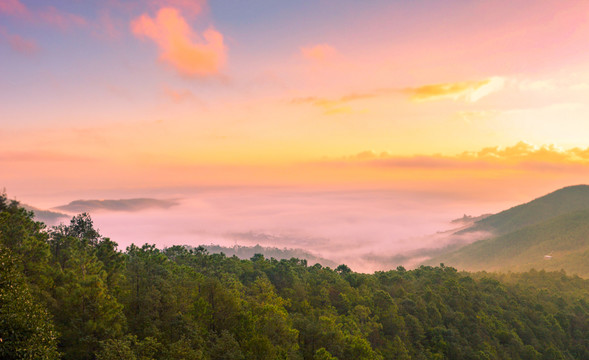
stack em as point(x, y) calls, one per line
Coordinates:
point(530, 155)
point(321, 52)
point(179, 45)
point(333, 106)
point(13, 7)
point(470, 91)
point(521, 156)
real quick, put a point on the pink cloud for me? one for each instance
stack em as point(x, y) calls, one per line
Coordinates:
point(49, 16)
point(107, 26)
point(22, 45)
point(179, 45)
point(62, 20)
point(13, 7)
point(19, 43)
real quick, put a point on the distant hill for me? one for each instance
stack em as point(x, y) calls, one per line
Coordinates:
point(551, 233)
point(565, 239)
point(560, 202)
point(247, 252)
point(50, 218)
point(128, 205)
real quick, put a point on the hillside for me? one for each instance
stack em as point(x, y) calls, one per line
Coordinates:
point(565, 238)
point(560, 202)
point(47, 216)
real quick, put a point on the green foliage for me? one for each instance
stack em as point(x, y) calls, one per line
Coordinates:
point(26, 331)
point(226, 347)
point(323, 354)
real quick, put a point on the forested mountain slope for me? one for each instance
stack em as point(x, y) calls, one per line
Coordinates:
point(94, 302)
point(559, 243)
point(560, 202)
point(551, 233)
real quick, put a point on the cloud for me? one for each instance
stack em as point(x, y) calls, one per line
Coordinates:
point(179, 45)
point(521, 156)
point(61, 20)
point(13, 8)
point(333, 106)
point(19, 44)
point(48, 217)
point(319, 53)
point(470, 91)
point(127, 205)
point(49, 15)
point(107, 26)
point(370, 154)
point(526, 151)
point(178, 96)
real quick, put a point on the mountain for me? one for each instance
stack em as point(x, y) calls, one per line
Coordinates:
point(551, 233)
point(128, 205)
point(50, 218)
point(557, 203)
point(559, 243)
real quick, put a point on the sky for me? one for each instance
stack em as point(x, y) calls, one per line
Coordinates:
point(482, 103)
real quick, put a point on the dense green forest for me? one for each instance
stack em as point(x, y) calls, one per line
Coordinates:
point(68, 292)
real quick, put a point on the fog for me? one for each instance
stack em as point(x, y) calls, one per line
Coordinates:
point(367, 230)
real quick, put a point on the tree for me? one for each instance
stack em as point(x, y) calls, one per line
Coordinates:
point(27, 242)
point(323, 354)
point(226, 348)
point(82, 287)
point(25, 326)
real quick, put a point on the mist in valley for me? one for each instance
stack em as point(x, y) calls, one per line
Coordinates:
point(367, 230)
